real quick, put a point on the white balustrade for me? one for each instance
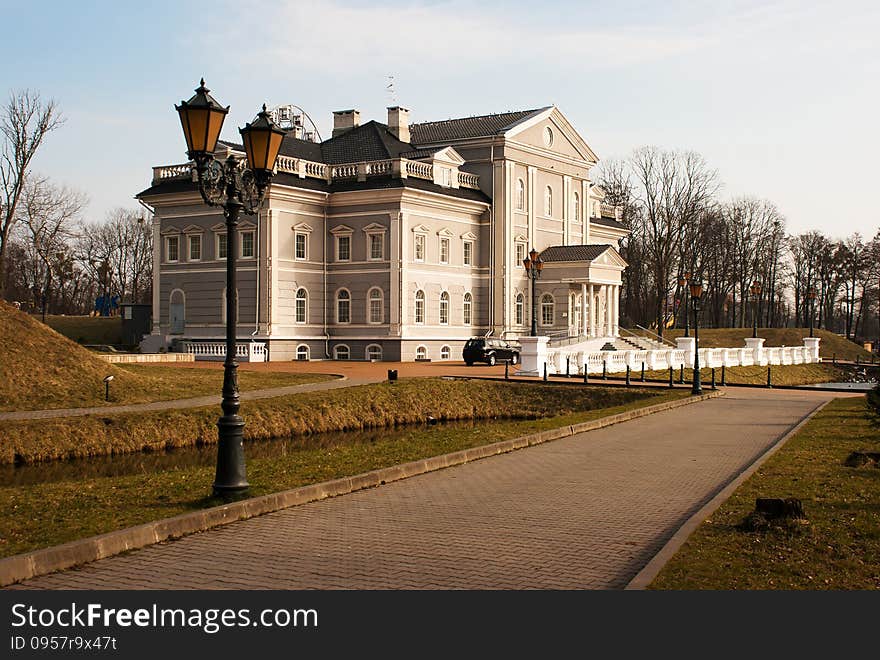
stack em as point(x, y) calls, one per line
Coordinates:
point(379, 167)
point(216, 350)
point(420, 170)
point(617, 361)
point(468, 180)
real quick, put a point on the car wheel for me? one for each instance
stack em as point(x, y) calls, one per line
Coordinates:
point(469, 363)
point(514, 358)
point(491, 360)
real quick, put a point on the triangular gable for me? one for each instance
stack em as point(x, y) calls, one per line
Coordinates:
point(302, 227)
point(610, 257)
point(563, 127)
point(519, 238)
point(469, 236)
point(170, 230)
point(341, 229)
point(193, 229)
point(421, 229)
point(449, 156)
point(445, 232)
point(246, 224)
point(375, 227)
point(220, 226)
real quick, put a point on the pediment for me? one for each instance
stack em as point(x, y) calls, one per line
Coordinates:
point(469, 236)
point(244, 225)
point(421, 229)
point(610, 257)
point(193, 229)
point(566, 140)
point(449, 156)
point(219, 227)
point(170, 230)
point(375, 227)
point(445, 232)
point(341, 229)
point(302, 227)
point(519, 238)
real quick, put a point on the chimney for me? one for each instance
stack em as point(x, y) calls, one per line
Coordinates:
point(345, 120)
point(398, 122)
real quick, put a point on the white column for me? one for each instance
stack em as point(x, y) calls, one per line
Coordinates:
point(157, 265)
point(606, 329)
point(592, 312)
point(616, 317)
point(584, 302)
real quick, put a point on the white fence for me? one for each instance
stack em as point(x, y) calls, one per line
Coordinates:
point(216, 350)
point(536, 354)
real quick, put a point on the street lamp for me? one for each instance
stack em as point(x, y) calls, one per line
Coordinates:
point(235, 188)
point(755, 290)
point(696, 287)
point(682, 283)
point(534, 265)
point(811, 294)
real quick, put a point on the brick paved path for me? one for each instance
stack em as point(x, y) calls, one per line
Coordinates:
point(584, 512)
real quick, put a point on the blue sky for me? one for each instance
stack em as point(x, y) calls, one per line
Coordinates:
point(780, 97)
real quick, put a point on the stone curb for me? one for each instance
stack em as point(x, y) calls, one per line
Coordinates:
point(650, 571)
point(49, 560)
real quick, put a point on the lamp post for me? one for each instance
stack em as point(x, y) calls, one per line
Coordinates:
point(811, 294)
point(236, 189)
point(683, 283)
point(696, 290)
point(756, 293)
point(534, 265)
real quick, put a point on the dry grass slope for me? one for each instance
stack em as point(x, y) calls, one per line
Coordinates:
point(39, 364)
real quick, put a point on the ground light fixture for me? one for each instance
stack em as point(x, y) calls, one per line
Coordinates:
point(696, 290)
point(236, 187)
point(107, 381)
point(534, 265)
point(755, 290)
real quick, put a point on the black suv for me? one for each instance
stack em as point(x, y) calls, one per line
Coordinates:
point(490, 351)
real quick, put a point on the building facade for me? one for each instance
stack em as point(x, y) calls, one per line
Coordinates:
point(396, 241)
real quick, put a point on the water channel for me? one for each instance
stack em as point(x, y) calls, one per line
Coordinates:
point(152, 462)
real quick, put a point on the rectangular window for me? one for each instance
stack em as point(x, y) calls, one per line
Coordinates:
point(520, 253)
point(172, 248)
point(300, 247)
point(468, 253)
point(376, 245)
point(195, 248)
point(420, 247)
point(221, 246)
point(247, 245)
point(444, 250)
point(343, 248)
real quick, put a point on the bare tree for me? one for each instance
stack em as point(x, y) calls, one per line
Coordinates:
point(24, 122)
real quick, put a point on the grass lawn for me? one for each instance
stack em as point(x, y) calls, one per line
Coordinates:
point(42, 515)
point(837, 547)
point(87, 329)
point(791, 374)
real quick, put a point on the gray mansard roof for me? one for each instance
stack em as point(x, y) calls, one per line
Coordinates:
point(434, 132)
point(573, 252)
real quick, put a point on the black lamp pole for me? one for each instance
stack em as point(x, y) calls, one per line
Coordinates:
point(236, 189)
point(756, 293)
point(811, 294)
point(533, 265)
point(686, 278)
point(696, 287)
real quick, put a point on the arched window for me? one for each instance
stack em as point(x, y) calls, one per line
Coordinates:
point(422, 353)
point(343, 307)
point(548, 310)
point(519, 306)
point(520, 195)
point(548, 202)
point(376, 312)
point(302, 306)
point(445, 352)
point(444, 308)
point(374, 352)
point(575, 207)
point(342, 352)
point(302, 352)
point(420, 307)
point(468, 308)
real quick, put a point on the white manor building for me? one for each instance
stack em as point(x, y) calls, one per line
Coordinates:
point(395, 241)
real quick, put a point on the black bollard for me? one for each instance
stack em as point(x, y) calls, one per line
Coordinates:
point(506, 370)
point(643, 372)
point(768, 376)
point(671, 376)
point(567, 370)
point(857, 360)
point(545, 372)
point(604, 371)
point(627, 375)
point(681, 375)
point(713, 379)
point(723, 375)
point(586, 374)
point(834, 358)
